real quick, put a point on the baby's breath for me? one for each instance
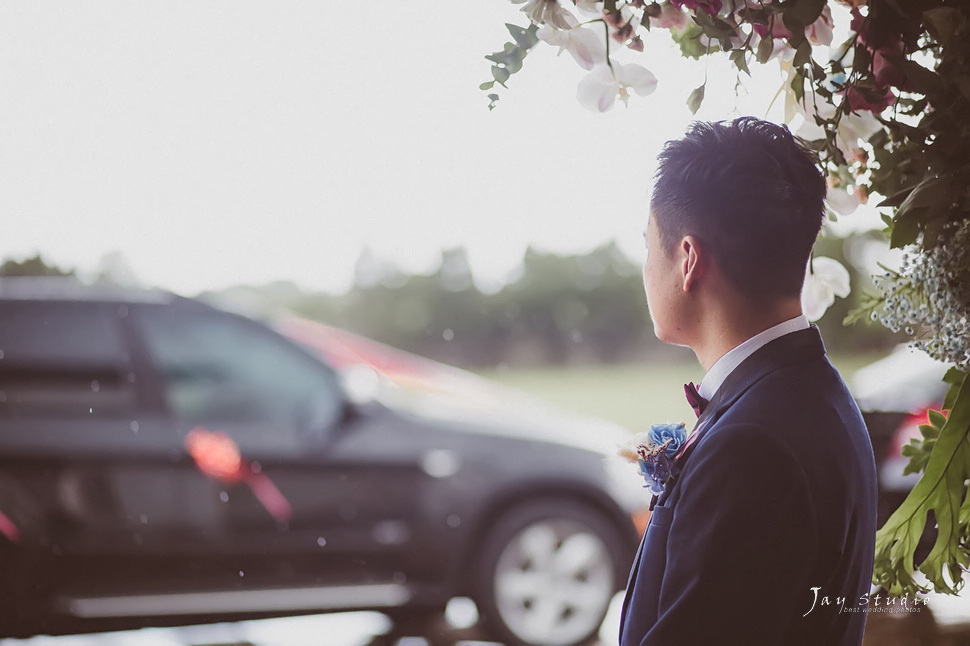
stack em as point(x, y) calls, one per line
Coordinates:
point(929, 297)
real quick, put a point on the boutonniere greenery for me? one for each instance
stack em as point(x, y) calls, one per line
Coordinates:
point(654, 453)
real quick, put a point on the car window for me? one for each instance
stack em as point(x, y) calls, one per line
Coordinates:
point(219, 368)
point(63, 359)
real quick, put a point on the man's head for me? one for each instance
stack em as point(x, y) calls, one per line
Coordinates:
point(751, 194)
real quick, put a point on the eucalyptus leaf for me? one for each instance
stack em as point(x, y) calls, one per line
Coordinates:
point(695, 99)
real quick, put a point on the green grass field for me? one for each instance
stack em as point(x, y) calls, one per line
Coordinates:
point(633, 395)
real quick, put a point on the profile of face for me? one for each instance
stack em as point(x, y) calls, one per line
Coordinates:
point(663, 284)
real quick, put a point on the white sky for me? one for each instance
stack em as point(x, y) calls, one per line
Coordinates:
point(219, 143)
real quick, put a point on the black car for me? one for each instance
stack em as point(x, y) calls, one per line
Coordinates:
point(165, 462)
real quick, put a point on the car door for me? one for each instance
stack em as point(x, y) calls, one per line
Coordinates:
point(85, 468)
point(271, 502)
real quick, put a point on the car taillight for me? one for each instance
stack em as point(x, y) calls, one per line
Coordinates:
point(908, 430)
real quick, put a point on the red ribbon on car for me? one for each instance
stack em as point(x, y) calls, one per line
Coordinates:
point(8, 529)
point(217, 456)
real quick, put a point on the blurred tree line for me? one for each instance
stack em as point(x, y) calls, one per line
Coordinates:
point(587, 308)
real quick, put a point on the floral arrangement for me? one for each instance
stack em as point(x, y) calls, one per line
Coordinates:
point(654, 453)
point(886, 110)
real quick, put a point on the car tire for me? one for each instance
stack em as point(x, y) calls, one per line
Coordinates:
point(547, 572)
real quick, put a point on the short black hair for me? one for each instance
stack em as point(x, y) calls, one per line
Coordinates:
point(751, 193)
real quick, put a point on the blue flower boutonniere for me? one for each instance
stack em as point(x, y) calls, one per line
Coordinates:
point(654, 452)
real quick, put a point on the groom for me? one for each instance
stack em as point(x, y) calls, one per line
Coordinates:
point(771, 508)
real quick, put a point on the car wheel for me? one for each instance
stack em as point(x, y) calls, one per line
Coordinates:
point(547, 573)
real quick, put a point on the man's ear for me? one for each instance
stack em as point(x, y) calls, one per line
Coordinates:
point(694, 262)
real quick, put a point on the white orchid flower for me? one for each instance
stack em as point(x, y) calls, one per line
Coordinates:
point(547, 12)
point(582, 43)
point(599, 90)
point(853, 127)
point(820, 31)
point(825, 278)
point(841, 201)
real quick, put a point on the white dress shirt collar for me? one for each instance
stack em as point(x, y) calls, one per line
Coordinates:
point(733, 357)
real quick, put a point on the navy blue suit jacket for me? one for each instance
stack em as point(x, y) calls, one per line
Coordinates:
point(777, 496)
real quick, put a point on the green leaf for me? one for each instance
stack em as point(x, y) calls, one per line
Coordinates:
point(940, 491)
point(936, 418)
point(524, 37)
point(803, 13)
point(689, 41)
point(803, 55)
point(739, 58)
point(943, 22)
point(798, 86)
point(896, 198)
point(954, 377)
point(695, 99)
point(929, 196)
point(905, 229)
point(500, 74)
point(765, 47)
point(486, 86)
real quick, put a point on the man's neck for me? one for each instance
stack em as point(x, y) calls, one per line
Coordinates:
point(727, 328)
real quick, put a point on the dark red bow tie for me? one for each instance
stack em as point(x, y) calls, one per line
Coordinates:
point(694, 398)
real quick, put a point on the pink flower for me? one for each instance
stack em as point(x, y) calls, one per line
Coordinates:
point(670, 17)
point(879, 99)
point(778, 28)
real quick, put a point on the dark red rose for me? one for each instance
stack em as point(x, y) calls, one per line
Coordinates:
point(875, 100)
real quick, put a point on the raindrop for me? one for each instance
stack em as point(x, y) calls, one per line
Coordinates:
point(95, 386)
point(138, 539)
point(144, 519)
point(461, 613)
point(1, 354)
point(241, 573)
point(131, 377)
point(3, 396)
point(400, 577)
point(255, 466)
point(134, 426)
point(321, 541)
point(448, 334)
point(223, 496)
point(453, 521)
point(90, 410)
point(123, 311)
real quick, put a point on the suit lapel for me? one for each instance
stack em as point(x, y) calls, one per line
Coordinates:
point(783, 351)
point(786, 350)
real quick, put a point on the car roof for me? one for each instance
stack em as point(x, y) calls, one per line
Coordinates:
point(68, 288)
